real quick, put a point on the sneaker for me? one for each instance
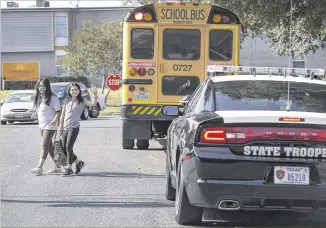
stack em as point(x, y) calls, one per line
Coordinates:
point(38, 171)
point(79, 167)
point(54, 170)
point(68, 172)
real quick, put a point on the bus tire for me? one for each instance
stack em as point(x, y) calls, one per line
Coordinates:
point(128, 144)
point(142, 144)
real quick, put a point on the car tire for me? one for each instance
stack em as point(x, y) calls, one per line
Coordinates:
point(185, 213)
point(85, 114)
point(128, 144)
point(3, 122)
point(142, 144)
point(169, 190)
point(94, 112)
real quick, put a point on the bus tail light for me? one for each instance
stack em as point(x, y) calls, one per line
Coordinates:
point(151, 72)
point(217, 18)
point(195, 4)
point(226, 19)
point(148, 17)
point(138, 16)
point(182, 3)
point(142, 71)
point(169, 3)
point(132, 72)
point(132, 88)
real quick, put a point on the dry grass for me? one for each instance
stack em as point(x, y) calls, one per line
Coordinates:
point(4, 94)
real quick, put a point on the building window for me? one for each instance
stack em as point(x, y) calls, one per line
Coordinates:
point(61, 26)
point(61, 71)
point(299, 62)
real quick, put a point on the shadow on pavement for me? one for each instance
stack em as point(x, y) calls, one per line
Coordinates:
point(113, 204)
point(120, 175)
point(67, 203)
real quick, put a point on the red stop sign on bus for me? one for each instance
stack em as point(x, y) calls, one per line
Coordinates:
point(113, 82)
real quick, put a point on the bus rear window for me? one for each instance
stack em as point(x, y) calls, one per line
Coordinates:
point(142, 43)
point(179, 85)
point(220, 45)
point(181, 44)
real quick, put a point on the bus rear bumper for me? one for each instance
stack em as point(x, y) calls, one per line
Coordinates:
point(144, 121)
point(143, 112)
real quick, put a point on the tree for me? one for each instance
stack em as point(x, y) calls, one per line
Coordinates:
point(95, 50)
point(271, 20)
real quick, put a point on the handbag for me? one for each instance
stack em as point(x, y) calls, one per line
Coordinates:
point(59, 155)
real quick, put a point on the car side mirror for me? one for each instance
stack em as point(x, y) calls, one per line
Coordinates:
point(185, 100)
point(1, 103)
point(170, 110)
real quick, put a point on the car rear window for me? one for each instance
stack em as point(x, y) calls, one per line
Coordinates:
point(270, 95)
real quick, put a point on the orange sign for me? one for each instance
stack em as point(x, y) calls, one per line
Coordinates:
point(20, 71)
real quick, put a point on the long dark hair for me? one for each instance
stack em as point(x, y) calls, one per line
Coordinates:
point(47, 94)
point(79, 97)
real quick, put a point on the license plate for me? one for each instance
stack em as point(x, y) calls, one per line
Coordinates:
point(19, 115)
point(141, 96)
point(291, 175)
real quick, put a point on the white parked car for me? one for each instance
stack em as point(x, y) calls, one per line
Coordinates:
point(61, 90)
point(18, 107)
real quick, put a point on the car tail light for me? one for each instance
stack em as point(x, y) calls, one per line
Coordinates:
point(213, 135)
point(142, 71)
point(234, 135)
point(291, 119)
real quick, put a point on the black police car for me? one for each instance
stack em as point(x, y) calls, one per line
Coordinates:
point(248, 142)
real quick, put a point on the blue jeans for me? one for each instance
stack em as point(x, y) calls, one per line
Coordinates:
point(68, 139)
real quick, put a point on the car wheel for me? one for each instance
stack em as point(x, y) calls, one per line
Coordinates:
point(3, 122)
point(169, 190)
point(185, 213)
point(85, 114)
point(128, 144)
point(142, 144)
point(94, 112)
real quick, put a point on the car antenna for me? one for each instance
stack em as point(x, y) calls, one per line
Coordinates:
point(288, 106)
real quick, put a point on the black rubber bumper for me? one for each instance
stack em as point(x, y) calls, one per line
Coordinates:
point(143, 112)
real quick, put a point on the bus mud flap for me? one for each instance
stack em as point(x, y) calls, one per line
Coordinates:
point(136, 129)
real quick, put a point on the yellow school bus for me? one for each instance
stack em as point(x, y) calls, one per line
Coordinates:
point(166, 48)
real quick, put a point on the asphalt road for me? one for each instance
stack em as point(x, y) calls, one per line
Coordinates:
point(117, 188)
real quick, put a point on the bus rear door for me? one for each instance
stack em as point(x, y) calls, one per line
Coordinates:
point(181, 61)
point(223, 44)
